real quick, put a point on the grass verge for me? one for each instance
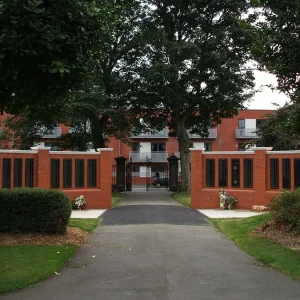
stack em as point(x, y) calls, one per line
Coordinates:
point(85, 224)
point(22, 266)
point(116, 197)
point(25, 265)
point(183, 198)
point(270, 254)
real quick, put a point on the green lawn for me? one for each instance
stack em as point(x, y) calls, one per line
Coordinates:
point(183, 198)
point(116, 197)
point(270, 254)
point(85, 224)
point(22, 266)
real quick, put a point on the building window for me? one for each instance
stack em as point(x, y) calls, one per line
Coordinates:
point(241, 123)
point(136, 147)
point(242, 147)
point(208, 147)
point(158, 147)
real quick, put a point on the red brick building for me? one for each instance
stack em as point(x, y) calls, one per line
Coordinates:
point(231, 135)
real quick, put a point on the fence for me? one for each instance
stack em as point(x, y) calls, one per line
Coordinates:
point(75, 173)
point(253, 177)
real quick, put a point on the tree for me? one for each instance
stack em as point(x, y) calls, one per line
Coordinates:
point(104, 103)
point(277, 44)
point(99, 108)
point(194, 72)
point(46, 49)
point(281, 129)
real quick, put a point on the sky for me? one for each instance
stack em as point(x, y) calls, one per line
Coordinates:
point(264, 99)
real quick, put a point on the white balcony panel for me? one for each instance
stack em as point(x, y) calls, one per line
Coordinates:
point(53, 133)
point(164, 134)
point(212, 134)
point(148, 156)
point(246, 133)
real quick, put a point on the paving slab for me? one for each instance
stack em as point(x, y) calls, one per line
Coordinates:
point(224, 214)
point(87, 213)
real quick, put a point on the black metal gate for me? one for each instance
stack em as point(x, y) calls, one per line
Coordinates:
point(157, 176)
point(128, 177)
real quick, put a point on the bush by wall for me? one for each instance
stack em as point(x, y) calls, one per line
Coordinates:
point(285, 210)
point(34, 210)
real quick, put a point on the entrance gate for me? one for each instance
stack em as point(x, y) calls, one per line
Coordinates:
point(153, 176)
point(157, 176)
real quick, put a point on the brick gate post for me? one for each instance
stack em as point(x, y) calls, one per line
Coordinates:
point(197, 170)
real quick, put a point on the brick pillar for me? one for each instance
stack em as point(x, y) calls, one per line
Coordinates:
point(196, 176)
point(43, 167)
point(260, 184)
point(106, 159)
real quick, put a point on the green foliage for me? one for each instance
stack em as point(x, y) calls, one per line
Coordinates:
point(195, 72)
point(281, 130)
point(46, 50)
point(277, 42)
point(285, 210)
point(34, 210)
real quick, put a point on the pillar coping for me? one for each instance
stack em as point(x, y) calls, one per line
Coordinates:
point(105, 149)
point(40, 148)
point(196, 149)
point(261, 148)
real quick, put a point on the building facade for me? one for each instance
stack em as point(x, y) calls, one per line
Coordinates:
point(231, 135)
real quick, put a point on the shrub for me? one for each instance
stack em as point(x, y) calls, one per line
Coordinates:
point(34, 210)
point(285, 210)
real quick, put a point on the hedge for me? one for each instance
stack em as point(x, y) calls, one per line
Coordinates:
point(285, 210)
point(34, 210)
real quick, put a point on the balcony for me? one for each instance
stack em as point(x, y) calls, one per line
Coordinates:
point(164, 134)
point(246, 133)
point(52, 133)
point(212, 134)
point(148, 156)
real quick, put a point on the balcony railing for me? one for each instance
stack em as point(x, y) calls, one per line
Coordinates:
point(164, 134)
point(246, 133)
point(212, 134)
point(148, 156)
point(52, 133)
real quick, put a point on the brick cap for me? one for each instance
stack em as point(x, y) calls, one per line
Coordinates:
point(198, 149)
point(40, 148)
point(105, 149)
point(74, 152)
point(261, 148)
point(19, 151)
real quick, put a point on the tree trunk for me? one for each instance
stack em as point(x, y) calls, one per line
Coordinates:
point(184, 144)
point(97, 133)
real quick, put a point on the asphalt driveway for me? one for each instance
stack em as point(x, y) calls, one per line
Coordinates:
point(158, 254)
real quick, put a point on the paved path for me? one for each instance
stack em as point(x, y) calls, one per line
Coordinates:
point(161, 261)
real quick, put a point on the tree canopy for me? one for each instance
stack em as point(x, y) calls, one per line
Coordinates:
point(282, 129)
point(194, 72)
point(46, 49)
point(277, 45)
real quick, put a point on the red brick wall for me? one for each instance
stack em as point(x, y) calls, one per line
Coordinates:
point(98, 197)
point(261, 192)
